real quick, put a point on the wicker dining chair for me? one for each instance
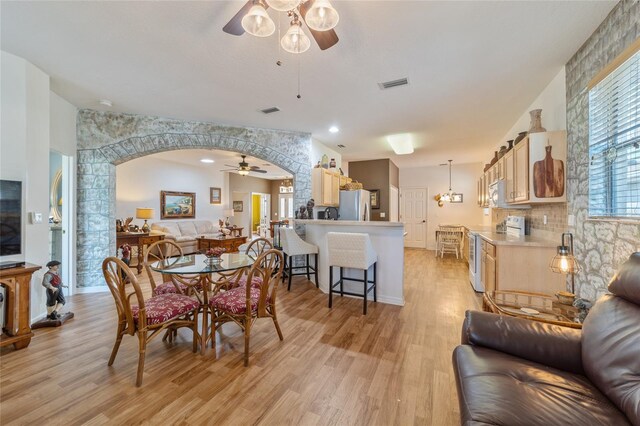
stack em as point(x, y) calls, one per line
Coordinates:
point(145, 318)
point(161, 251)
point(244, 304)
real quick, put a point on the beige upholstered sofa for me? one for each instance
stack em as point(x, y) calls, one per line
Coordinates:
point(185, 232)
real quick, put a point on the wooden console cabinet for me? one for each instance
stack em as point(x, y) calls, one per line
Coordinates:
point(137, 239)
point(230, 244)
point(17, 284)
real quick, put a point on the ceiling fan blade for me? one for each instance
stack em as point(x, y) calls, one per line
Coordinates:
point(229, 170)
point(229, 165)
point(258, 171)
point(234, 26)
point(254, 167)
point(325, 39)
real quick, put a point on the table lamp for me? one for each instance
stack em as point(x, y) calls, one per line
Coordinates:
point(144, 213)
point(564, 262)
point(228, 213)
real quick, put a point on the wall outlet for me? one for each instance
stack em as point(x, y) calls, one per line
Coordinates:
point(383, 214)
point(571, 220)
point(544, 219)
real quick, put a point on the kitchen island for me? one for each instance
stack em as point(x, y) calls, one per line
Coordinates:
point(387, 239)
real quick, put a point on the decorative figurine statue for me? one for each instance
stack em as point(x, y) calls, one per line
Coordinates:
point(55, 298)
point(310, 205)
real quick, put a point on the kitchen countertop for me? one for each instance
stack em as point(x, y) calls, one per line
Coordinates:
point(509, 240)
point(348, 223)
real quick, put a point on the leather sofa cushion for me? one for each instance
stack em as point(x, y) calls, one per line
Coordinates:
point(171, 228)
point(499, 389)
point(187, 228)
point(626, 282)
point(611, 352)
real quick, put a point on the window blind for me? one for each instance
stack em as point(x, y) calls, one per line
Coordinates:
point(614, 143)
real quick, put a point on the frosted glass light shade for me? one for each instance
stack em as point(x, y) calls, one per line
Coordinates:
point(243, 172)
point(257, 22)
point(322, 16)
point(295, 40)
point(401, 144)
point(283, 5)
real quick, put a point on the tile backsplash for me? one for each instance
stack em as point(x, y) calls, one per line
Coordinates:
point(556, 217)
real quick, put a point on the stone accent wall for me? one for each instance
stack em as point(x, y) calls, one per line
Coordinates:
point(106, 139)
point(600, 245)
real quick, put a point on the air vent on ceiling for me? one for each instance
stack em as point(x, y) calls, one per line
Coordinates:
point(393, 83)
point(270, 110)
point(341, 146)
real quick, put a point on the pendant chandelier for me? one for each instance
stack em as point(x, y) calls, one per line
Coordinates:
point(448, 196)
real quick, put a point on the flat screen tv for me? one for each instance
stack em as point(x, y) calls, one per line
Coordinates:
point(10, 217)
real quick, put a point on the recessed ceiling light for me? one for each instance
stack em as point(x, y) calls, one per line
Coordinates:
point(106, 102)
point(401, 143)
point(207, 160)
point(333, 129)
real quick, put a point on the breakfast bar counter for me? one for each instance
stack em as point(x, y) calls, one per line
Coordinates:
point(388, 241)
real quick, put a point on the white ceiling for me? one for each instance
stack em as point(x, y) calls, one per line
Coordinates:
point(473, 67)
point(192, 157)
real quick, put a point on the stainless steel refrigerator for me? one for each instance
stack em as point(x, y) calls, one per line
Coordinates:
point(355, 205)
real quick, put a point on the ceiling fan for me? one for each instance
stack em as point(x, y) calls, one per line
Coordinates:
point(318, 15)
point(244, 168)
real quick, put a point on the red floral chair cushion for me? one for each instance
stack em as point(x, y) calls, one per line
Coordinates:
point(234, 300)
point(256, 282)
point(164, 307)
point(169, 288)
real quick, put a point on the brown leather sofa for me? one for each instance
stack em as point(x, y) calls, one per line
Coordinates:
point(512, 371)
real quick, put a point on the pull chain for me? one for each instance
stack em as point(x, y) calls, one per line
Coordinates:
point(299, 96)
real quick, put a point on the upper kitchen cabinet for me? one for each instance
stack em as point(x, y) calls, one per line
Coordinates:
point(325, 187)
point(540, 162)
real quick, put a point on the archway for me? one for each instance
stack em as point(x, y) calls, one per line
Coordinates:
point(108, 139)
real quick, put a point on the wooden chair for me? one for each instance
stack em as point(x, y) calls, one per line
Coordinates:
point(161, 251)
point(258, 246)
point(146, 318)
point(449, 240)
point(243, 305)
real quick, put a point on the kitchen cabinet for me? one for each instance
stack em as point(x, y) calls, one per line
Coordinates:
point(521, 171)
point(325, 187)
point(488, 266)
point(500, 169)
point(509, 177)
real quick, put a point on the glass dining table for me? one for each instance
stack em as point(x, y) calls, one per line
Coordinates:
point(204, 278)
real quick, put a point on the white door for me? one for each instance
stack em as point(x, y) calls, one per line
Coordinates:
point(285, 210)
point(265, 212)
point(413, 213)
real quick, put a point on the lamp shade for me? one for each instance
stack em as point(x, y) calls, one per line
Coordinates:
point(228, 212)
point(564, 263)
point(257, 22)
point(295, 40)
point(144, 213)
point(283, 5)
point(322, 16)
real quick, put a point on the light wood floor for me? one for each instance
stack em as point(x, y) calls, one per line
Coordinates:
point(391, 367)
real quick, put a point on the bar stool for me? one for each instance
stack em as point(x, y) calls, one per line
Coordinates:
point(293, 245)
point(349, 250)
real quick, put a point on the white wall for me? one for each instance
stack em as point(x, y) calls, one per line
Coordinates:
point(318, 149)
point(24, 155)
point(436, 180)
point(241, 189)
point(62, 125)
point(552, 101)
point(139, 182)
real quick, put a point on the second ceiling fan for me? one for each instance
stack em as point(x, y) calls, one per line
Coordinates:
point(244, 168)
point(318, 15)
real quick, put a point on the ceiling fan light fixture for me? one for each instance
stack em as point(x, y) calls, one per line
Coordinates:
point(401, 144)
point(322, 16)
point(257, 22)
point(243, 172)
point(295, 40)
point(283, 5)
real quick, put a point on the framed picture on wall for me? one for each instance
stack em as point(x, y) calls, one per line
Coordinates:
point(177, 205)
point(215, 195)
point(237, 206)
point(375, 198)
point(456, 197)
